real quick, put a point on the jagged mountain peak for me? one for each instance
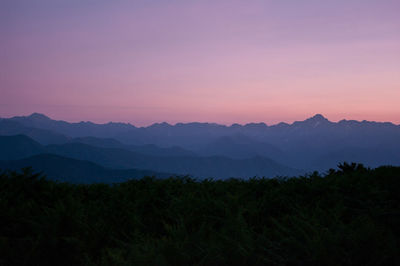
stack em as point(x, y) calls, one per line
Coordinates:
point(38, 116)
point(317, 117)
point(314, 121)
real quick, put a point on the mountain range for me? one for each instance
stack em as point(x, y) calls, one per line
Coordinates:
point(204, 149)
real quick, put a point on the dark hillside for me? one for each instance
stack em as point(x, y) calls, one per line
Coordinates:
point(77, 171)
point(18, 146)
point(351, 216)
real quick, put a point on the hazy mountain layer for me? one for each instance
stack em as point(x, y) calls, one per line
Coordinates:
point(313, 144)
point(215, 166)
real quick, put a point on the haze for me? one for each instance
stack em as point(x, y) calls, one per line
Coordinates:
point(215, 61)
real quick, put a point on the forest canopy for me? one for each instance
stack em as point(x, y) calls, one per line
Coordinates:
point(349, 216)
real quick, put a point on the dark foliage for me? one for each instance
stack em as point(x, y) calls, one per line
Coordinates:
point(350, 216)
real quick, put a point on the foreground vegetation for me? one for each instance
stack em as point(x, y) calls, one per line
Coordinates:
point(350, 216)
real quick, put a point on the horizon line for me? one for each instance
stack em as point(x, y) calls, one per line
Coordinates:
point(197, 122)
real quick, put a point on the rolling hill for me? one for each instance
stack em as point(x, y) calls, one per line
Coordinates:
point(76, 171)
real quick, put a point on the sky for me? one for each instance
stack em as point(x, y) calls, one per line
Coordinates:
point(217, 61)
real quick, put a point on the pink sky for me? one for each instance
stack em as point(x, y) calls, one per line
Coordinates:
point(209, 61)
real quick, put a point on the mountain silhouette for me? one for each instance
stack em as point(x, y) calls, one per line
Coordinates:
point(196, 166)
point(311, 144)
point(76, 171)
point(148, 149)
point(9, 127)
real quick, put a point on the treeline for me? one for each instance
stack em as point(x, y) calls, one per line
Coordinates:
point(350, 216)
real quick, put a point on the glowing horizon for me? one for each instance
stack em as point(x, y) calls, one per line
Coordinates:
point(209, 61)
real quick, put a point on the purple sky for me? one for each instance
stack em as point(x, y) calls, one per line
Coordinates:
point(216, 61)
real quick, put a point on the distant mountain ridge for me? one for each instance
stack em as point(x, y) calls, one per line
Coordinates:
point(9, 127)
point(312, 144)
point(112, 129)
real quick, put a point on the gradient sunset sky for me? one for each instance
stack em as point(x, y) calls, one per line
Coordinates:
point(208, 61)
